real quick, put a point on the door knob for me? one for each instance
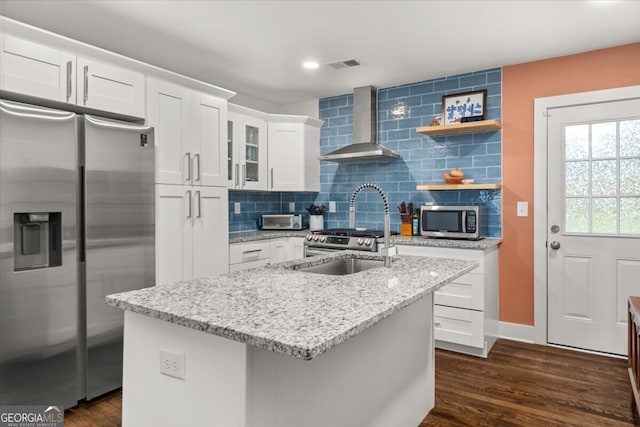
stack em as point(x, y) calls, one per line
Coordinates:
point(555, 245)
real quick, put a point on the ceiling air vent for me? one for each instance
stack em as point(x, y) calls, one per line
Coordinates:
point(347, 63)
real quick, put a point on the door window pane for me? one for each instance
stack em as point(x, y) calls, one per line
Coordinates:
point(604, 215)
point(630, 138)
point(577, 179)
point(603, 140)
point(576, 142)
point(630, 215)
point(604, 178)
point(577, 215)
point(630, 177)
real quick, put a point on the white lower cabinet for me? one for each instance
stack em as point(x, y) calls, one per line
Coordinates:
point(191, 232)
point(466, 310)
point(256, 253)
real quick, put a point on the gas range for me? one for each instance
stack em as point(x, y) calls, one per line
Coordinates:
point(344, 238)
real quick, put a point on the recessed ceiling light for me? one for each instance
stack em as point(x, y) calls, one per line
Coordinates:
point(310, 65)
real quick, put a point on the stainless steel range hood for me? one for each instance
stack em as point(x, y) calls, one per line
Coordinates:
point(364, 146)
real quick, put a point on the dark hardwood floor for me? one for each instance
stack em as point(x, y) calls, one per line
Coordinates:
point(517, 385)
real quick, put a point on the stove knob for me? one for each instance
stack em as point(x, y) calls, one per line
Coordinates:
point(360, 242)
point(367, 242)
point(322, 238)
point(309, 237)
point(315, 238)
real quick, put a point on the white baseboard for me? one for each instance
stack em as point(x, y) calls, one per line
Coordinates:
point(516, 332)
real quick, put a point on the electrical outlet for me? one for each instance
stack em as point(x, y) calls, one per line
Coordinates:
point(332, 206)
point(292, 206)
point(172, 363)
point(236, 207)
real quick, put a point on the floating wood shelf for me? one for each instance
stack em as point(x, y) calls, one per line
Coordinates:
point(479, 126)
point(459, 187)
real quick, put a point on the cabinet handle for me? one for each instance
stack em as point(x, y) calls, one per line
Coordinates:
point(244, 175)
point(437, 325)
point(188, 154)
point(189, 214)
point(272, 178)
point(199, 205)
point(85, 97)
point(237, 174)
point(197, 156)
point(69, 64)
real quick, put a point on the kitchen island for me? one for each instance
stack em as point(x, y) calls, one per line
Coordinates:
point(276, 346)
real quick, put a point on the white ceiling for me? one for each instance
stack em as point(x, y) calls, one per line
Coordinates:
point(256, 47)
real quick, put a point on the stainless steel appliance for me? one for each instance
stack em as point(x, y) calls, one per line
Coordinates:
point(452, 222)
point(76, 224)
point(282, 222)
point(340, 239)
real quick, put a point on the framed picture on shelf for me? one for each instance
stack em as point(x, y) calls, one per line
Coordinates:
point(463, 107)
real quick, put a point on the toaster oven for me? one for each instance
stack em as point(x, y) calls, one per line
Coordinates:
point(282, 222)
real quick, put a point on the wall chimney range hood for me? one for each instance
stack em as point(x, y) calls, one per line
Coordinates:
point(365, 127)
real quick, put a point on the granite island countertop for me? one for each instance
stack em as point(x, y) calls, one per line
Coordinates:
point(296, 313)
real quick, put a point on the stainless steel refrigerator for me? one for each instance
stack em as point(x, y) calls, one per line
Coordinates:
point(76, 224)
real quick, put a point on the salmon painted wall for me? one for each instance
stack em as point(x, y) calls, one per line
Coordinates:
point(521, 84)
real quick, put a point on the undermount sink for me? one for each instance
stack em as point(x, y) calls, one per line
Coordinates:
point(342, 266)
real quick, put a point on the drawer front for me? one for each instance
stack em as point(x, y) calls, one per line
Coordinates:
point(464, 292)
point(248, 252)
point(460, 326)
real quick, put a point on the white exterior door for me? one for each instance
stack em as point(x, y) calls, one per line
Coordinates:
point(593, 223)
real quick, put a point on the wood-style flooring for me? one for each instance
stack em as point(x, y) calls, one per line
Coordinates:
point(517, 385)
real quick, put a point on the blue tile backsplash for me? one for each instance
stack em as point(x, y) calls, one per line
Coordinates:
point(401, 110)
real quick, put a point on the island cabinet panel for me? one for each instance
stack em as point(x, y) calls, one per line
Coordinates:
point(383, 376)
point(466, 310)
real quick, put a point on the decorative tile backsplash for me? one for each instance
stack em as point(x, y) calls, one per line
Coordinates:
point(401, 110)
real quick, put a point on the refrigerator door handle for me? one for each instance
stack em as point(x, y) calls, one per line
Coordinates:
point(197, 156)
point(23, 110)
point(189, 204)
point(117, 125)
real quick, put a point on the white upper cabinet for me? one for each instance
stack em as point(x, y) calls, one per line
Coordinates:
point(188, 134)
point(294, 147)
point(209, 115)
point(247, 133)
point(110, 88)
point(168, 108)
point(39, 70)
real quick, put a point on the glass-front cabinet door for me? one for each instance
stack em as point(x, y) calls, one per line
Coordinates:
point(247, 147)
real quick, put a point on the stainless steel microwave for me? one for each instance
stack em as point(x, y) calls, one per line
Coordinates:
point(451, 222)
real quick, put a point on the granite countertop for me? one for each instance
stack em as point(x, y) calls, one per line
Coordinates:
point(296, 313)
point(482, 244)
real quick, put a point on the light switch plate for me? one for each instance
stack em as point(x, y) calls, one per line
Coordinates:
point(332, 206)
point(522, 208)
point(236, 207)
